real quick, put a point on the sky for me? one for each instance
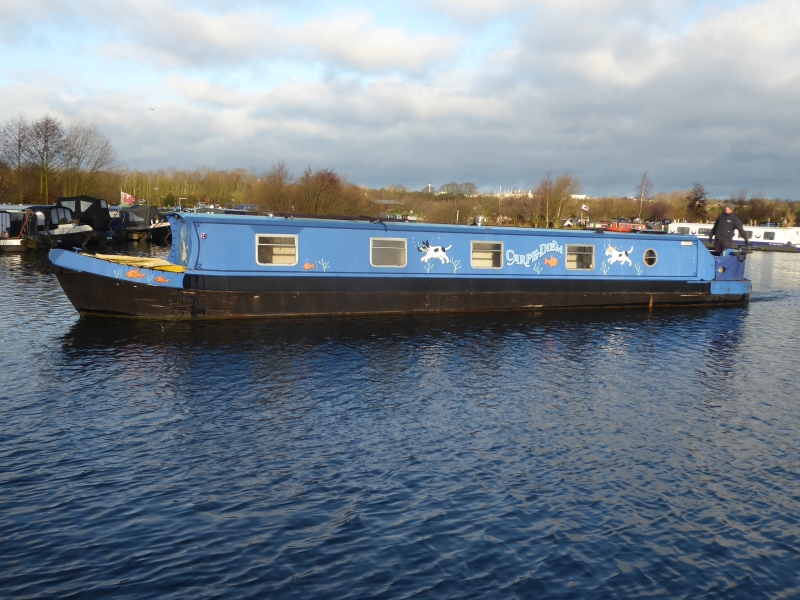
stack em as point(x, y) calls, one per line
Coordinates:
point(426, 91)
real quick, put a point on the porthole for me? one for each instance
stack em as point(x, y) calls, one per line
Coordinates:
point(650, 257)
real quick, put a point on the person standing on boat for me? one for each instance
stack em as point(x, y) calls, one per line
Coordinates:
point(724, 229)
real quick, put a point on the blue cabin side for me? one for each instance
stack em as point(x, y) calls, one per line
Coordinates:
point(233, 244)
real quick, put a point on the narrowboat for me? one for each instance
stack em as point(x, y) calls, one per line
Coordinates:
point(624, 226)
point(223, 266)
point(47, 226)
point(761, 237)
point(94, 213)
point(144, 222)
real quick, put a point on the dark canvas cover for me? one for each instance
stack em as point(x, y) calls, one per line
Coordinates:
point(89, 211)
point(139, 216)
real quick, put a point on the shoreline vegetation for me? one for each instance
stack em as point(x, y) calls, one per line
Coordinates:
point(42, 160)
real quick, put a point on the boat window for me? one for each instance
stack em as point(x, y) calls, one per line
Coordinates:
point(650, 257)
point(487, 255)
point(769, 235)
point(103, 204)
point(85, 205)
point(749, 233)
point(70, 204)
point(682, 230)
point(277, 250)
point(704, 231)
point(387, 252)
point(580, 257)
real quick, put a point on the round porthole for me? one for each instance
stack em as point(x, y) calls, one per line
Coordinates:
point(650, 257)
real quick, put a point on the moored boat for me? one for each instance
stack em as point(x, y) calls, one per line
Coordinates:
point(144, 223)
point(224, 266)
point(761, 237)
point(620, 225)
point(94, 213)
point(10, 225)
point(51, 226)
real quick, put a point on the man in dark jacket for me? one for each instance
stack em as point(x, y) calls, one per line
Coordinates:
point(724, 228)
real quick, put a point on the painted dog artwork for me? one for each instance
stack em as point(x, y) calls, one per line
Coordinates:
point(434, 252)
point(620, 256)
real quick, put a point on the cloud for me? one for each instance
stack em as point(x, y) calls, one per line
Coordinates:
point(353, 40)
point(175, 35)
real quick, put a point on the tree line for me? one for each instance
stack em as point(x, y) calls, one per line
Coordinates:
point(41, 160)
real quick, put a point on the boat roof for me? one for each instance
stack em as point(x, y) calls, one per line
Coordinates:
point(13, 207)
point(402, 226)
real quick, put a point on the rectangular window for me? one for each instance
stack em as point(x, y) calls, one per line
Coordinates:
point(387, 252)
point(580, 257)
point(769, 235)
point(704, 231)
point(682, 230)
point(487, 255)
point(749, 233)
point(276, 250)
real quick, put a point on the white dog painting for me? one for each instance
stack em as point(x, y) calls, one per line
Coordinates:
point(434, 252)
point(618, 256)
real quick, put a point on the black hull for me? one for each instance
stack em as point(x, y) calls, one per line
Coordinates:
point(107, 238)
point(161, 236)
point(271, 296)
point(44, 243)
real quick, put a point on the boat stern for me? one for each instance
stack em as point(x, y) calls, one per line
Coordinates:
point(729, 278)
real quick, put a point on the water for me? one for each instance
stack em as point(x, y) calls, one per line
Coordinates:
point(603, 454)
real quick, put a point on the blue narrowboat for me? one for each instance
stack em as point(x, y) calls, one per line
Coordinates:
point(223, 266)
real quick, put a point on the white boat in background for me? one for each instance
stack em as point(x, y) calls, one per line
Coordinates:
point(8, 241)
point(763, 237)
point(11, 245)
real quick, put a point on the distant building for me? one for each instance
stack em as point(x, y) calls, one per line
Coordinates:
point(513, 193)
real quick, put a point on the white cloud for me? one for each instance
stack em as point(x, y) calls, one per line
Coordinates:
point(353, 40)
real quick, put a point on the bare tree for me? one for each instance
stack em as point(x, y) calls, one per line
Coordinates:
point(467, 189)
point(87, 155)
point(451, 188)
point(46, 151)
point(273, 188)
point(15, 149)
point(790, 219)
point(564, 188)
point(544, 196)
point(696, 200)
point(552, 196)
point(528, 208)
point(644, 191)
point(319, 192)
point(757, 209)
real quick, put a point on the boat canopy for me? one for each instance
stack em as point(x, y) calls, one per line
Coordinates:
point(90, 211)
point(139, 216)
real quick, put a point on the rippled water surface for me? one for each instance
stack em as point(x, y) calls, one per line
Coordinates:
point(603, 454)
